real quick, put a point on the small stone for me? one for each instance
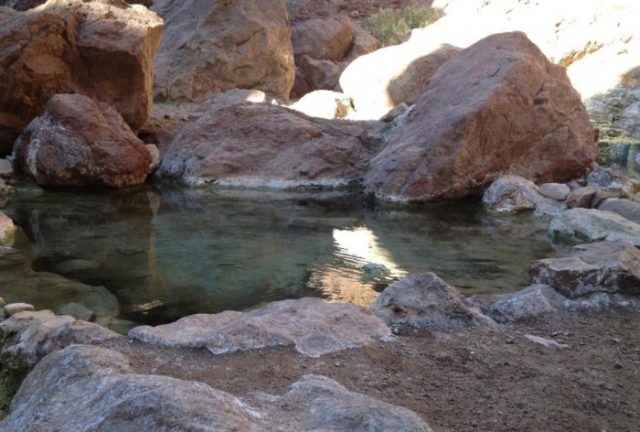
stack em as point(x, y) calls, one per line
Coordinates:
point(549, 343)
point(13, 308)
point(2, 302)
point(555, 191)
point(75, 266)
point(375, 271)
point(155, 157)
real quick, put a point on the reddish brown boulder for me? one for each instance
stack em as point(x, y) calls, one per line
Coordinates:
point(323, 38)
point(80, 142)
point(268, 146)
point(499, 106)
point(217, 45)
point(103, 49)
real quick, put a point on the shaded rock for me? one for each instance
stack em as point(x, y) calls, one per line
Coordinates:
point(311, 325)
point(77, 311)
point(531, 302)
point(103, 49)
point(319, 74)
point(510, 194)
point(268, 146)
point(612, 179)
point(324, 104)
point(363, 42)
point(611, 267)
point(581, 197)
point(426, 302)
point(15, 308)
point(6, 169)
point(213, 46)
point(79, 142)
point(379, 81)
point(555, 191)
point(626, 208)
point(7, 230)
point(322, 38)
point(154, 152)
point(21, 5)
point(594, 225)
point(108, 395)
point(498, 106)
point(29, 336)
point(75, 266)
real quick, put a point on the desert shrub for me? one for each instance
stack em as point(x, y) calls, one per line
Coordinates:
point(393, 26)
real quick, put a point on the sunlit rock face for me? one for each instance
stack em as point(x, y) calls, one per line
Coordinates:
point(597, 40)
point(213, 46)
point(103, 49)
point(498, 106)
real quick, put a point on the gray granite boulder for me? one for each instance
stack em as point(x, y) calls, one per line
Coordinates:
point(27, 337)
point(609, 267)
point(85, 388)
point(312, 326)
point(426, 302)
point(626, 208)
point(594, 225)
point(528, 303)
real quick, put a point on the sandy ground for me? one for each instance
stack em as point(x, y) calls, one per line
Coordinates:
point(477, 380)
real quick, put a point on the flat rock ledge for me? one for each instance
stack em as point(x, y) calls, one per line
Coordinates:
point(594, 225)
point(312, 326)
point(107, 394)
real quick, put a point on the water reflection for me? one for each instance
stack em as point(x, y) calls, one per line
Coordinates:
point(165, 252)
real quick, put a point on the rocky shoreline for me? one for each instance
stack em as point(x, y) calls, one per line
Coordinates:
point(496, 100)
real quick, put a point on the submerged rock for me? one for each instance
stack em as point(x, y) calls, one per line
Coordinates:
point(269, 146)
point(213, 46)
point(29, 336)
point(7, 230)
point(426, 302)
point(594, 225)
point(609, 267)
point(311, 325)
point(107, 394)
point(510, 194)
point(80, 142)
point(103, 49)
point(498, 106)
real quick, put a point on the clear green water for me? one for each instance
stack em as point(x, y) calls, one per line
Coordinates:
point(159, 253)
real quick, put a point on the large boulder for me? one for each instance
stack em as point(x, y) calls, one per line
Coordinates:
point(385, 78)
point(426, 302)
point(80, 142)
point(211, 46)
point(594, 225)
point(311, 325)
point(499, 106)
point(597, 40)
point(609, 267)
point(103, 49)
point(268, 146)
point(107, 394)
